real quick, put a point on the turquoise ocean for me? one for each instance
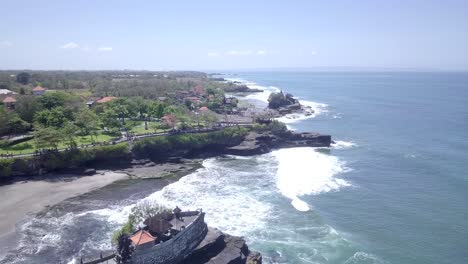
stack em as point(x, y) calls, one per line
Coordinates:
point(392, 189)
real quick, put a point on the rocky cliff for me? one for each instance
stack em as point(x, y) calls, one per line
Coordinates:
point(260, 143)
point(220, 248)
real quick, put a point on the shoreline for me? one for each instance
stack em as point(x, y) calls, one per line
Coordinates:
point(28, 197)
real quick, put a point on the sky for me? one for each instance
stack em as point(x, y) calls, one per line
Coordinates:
point(221, 35)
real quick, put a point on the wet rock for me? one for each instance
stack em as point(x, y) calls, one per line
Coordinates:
point(220, 248)
point(260, 143)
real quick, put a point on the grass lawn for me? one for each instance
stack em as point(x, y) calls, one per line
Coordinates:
point(28, 146)
point(139, 128)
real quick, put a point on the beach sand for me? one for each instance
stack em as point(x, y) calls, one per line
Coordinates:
point(29, 197)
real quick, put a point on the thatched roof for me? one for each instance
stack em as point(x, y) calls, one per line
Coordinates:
point(9, 99)
point(157, 224)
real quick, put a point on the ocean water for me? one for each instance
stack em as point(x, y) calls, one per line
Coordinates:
point(392, 189)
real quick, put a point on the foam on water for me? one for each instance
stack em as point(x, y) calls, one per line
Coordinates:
point(304, 171)
point(339, 144)
point(222, 191)
point(315, 108)
point(260, 96)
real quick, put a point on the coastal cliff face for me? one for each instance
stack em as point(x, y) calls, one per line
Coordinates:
point(220, 248)
point(260, 143)
point(120, 156)
point(199, 244)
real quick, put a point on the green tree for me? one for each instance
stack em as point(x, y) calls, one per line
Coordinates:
point(23, 78)
point(68, 134)
point(208, 117)
point(55, 117)
point(47, 137)
point(124, 108)
point(26, 107)
point(51, 100)
point(87, 121)
point(17, 125)
point(109, 120)
point(11, 123)
point(157, 110)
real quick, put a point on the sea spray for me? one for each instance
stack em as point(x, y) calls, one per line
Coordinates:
point(304, 171)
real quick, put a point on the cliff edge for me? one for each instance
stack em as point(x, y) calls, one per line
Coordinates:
point(220, 248)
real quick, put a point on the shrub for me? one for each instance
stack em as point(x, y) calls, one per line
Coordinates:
point(275, 127)
point(163, 147)
point(6, 167)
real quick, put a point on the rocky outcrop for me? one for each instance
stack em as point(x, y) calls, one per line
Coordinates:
point(260, 143)
point(220, 248)
point(240, 88)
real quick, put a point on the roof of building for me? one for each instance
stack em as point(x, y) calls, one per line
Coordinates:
point(192, 98)
point(142, 237)
point(199, 89)
point(203, 108)
point(6, 91)
point(157, 224)
point(105, 99)
point(9, 99)
point(39, 88)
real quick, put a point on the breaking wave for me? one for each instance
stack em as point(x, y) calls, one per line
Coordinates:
point(339, 144)
point(304, 171)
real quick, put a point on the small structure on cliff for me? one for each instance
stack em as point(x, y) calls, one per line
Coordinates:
point(179, 237)
point(142, 239)
point(165, 238)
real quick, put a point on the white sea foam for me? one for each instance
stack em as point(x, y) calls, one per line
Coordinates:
point(304, 171)
point(233, 206)
point(315, 108)
point(339, 144)
point(260, 96)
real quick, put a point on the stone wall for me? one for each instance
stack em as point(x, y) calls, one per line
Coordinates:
point(175, 249)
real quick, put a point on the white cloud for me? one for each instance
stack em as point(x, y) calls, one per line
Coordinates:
point(313, 53)
point(5, 44)
point(213, 54)
point(261, 52)
point(70, 45)
point(239, 52)
point(103, 49)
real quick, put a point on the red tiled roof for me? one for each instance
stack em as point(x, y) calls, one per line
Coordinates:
point(39, 88)
point(193, 99)
point(142, 237)
point(105, 99)
point(9, 99)
point(199, 89)
point(203, 108)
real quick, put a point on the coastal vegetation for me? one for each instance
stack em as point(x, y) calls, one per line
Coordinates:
point(158, 147)
point(49, 110)
point(68, 159)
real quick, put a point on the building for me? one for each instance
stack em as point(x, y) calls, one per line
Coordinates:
point(192, 99)
point(38, 90)
point(90, 103)
point(198, 90)
point(9, 102)
point(105, 99)
point(6, 92)
point(142, 240)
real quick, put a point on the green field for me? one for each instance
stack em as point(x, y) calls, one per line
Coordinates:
point(28, 146)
